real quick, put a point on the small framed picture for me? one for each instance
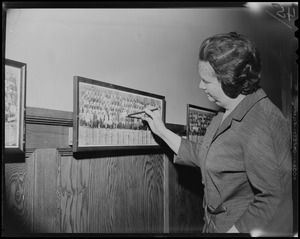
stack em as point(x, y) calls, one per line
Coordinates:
point(198, 119)
point(15, 95)
point(109, 117)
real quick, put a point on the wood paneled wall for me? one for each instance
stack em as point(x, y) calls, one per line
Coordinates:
point(52, 192)
point(186, 212)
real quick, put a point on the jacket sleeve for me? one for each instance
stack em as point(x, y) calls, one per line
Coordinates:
point(188, 153)
point(267, 159)
point(193, 154)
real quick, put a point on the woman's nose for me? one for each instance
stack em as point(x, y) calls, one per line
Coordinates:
point(202, 85)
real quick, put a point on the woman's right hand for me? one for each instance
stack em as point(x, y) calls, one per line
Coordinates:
point(155, 122)
point(158, 127)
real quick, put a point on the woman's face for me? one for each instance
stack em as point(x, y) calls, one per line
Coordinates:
point(210, 84)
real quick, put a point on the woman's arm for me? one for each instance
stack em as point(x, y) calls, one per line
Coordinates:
point(157, 126)
point(186, 152)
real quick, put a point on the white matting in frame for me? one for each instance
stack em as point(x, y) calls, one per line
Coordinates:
point(106, 116)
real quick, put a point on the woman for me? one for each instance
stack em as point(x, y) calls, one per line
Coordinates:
point(245, 156)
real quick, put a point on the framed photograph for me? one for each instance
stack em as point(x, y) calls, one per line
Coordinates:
point(198, 119)
point(15, 90)
point(108, 117)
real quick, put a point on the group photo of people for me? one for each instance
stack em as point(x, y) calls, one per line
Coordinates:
point(198, 121)
point(104, 117)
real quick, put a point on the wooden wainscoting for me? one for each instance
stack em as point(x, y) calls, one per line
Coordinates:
point(52, 192)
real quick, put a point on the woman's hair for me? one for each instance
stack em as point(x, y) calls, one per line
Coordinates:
point(236, 62)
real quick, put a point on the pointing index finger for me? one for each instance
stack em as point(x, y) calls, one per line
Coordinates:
point(150, 112)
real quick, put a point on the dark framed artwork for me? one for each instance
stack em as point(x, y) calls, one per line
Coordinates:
point(107, 117)
point(198, 119)
point(15, 106)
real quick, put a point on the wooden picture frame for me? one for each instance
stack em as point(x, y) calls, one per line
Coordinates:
point(15, 107)
point(106, 117)
point(198, 119)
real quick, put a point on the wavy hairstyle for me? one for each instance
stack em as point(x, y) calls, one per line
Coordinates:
point(236, 62)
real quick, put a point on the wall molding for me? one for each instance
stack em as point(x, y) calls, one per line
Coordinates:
point(44, 116)
point(63, 152)
point(32, 119)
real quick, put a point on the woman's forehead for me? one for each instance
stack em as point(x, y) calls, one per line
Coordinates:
point(205, 68)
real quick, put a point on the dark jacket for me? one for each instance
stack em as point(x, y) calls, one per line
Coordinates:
point(246, 168)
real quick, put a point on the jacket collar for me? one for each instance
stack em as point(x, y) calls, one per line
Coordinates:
point(247, 103)
point(240, 110)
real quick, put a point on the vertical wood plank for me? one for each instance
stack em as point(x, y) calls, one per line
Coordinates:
point(126, 194)
point(186, 197)
point(46, 205)
point(100, 198)
point(68, 194)
point(166, 194)
point(154, 181)
point(18, 206)
point(83, 177)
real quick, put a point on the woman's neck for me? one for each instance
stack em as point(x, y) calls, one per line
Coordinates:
point(232, 103)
